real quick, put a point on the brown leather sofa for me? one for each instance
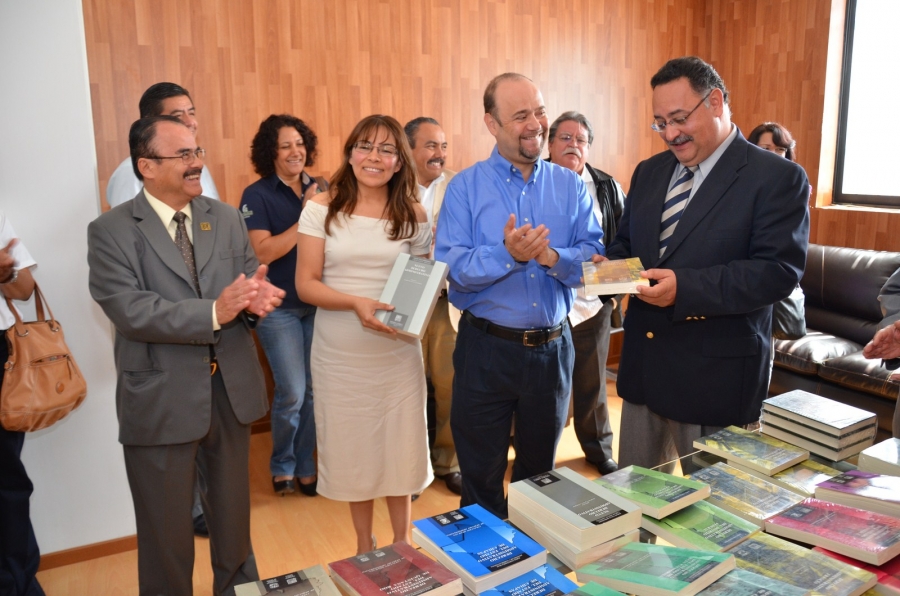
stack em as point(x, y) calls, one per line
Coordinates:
point(842, 315)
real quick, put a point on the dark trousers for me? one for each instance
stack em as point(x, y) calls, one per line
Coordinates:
point(19, 554)
point(591, 414)
point(498, 379)
point(162, 487)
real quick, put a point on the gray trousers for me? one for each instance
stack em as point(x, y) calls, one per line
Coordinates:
point(162, 487)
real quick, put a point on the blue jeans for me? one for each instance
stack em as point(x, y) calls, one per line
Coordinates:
point(286, 337)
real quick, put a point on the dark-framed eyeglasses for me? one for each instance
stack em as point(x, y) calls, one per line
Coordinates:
point(659, 125)
point(187, 156)
point(365, 148)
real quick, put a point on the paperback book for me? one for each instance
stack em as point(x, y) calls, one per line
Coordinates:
point(313, 581)
point(785, 561)
point(752, 450)
point(657, 494)
point(745, 495)
point(543, 581)
point(652, 569)
point(814, 443)
point(864, 490)
point(412, 289)
point(864, 535)
point(701, 526)
point(819, 413)
point(479, 547)
point(621, 276)
point(740, 582)
point(888, 574)
point(883, 458)
point(803, 477)
point(395, 570)
point(595, 589)
point(865, 434)
point(577, 511)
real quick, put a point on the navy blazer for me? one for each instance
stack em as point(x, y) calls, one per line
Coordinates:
point(739, 247)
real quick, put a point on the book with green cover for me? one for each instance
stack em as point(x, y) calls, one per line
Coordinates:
point(652, 569)
point(657, 494)
point(701, 526)
point(782, 560)
point(595, 589)
point(740, 582)
point(752, 449)
point(745, 495)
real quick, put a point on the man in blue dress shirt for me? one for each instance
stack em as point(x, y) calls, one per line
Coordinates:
point(514, 231)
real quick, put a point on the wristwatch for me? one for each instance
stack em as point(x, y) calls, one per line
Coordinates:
point(11, 279)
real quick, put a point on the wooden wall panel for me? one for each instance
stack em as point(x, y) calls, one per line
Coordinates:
point(332, 63)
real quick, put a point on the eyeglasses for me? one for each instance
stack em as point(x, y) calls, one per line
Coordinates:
point(187, 156)
point(782, 151)
point(365, 148)
point(579, 141)
point(659, 125)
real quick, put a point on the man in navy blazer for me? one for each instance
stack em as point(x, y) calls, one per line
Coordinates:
point(730, 241)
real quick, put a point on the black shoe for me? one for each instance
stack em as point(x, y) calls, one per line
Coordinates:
point(200, 528)
point(607, 467)
point(308, 489)
point(453, 480)
point(283, 487)
point(414, 496)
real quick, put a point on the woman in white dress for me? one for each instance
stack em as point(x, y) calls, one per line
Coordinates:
point(369, 381)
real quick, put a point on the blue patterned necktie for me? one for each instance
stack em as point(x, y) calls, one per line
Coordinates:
point(676, 201)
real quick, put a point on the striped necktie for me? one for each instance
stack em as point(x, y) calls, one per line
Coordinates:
point(676, 201)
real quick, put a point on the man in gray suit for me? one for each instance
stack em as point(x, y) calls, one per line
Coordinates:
point(175, 273)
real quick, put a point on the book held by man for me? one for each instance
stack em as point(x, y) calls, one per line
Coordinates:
point(621, 276)
point(744, 494)
point(395, 570)
point(480, 548)
point(863, 490)
point(657, 494)
point(412, 289)
point(701, 526)
point(864, 535)
point(752, 450)
point(313, 581)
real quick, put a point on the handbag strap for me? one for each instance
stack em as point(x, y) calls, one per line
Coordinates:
point(39, 302)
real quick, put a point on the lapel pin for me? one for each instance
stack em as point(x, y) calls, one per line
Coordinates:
point(204, 225)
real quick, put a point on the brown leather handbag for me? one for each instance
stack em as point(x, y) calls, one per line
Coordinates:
point(41, 382)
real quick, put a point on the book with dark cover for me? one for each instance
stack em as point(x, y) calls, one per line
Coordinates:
point(543, 581)
point(605, 278)
point(701, 526)
point(777, 558)
point(482, 549)
point(863, 535)
point(653, 569)
point(823, 414)
point(412, 289)
point(657, 494)
point(882, 458)
point(740, 582)
point(752, 449)
point(313, 581)
point(745, 495)
point(395, 570)
point(864, 490)
point(578, 511)
point(888, 574)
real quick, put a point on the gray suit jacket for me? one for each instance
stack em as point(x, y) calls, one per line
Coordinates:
point(163, 329)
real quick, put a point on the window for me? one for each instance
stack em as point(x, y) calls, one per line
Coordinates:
point(867, 168)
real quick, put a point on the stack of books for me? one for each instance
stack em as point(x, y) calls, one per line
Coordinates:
point(577, 520)
point(657, 494)
point(595, 589)
point(744, 494)
point(313, 581)
point(823, 426)
point(656, 570)
point(701, 526)
point(803, 477)
point(883, 458)
point(396, 570)
point(750, 450)
point(543, 581)
point(478, 546)
point(741, 582)
point(864, 535)
point(798, 566)
point(863, 490)
point(888, 574)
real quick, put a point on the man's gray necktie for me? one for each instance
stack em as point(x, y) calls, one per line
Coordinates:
point(676, 201)
point(183, 242)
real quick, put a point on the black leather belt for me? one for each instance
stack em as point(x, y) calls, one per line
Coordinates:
point(526, 337)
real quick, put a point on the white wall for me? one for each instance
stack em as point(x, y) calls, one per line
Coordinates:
point(48, 189)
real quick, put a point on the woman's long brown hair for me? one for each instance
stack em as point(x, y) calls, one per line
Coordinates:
point(402, 187)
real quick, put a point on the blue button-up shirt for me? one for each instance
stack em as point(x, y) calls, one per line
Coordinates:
point(484, 278)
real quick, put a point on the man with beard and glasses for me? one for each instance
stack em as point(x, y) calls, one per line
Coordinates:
point(514, 231)
point(429, 150)
point(571, 137)
point(722, 228)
